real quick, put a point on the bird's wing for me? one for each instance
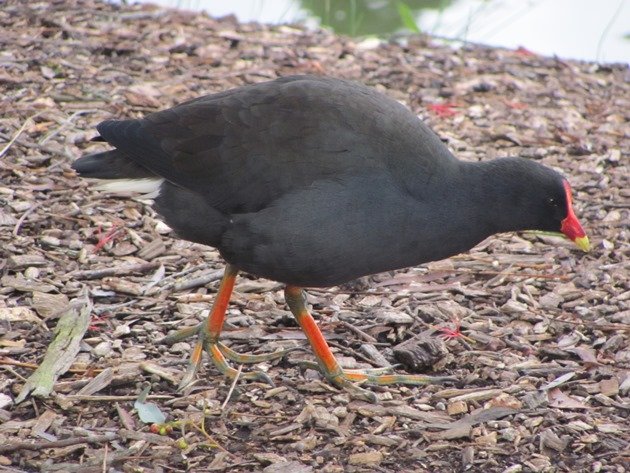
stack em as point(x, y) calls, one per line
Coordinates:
point(244, 148)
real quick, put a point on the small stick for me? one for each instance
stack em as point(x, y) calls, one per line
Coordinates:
point(105, 459)
point(229, 394)
point(17, 134)
point(29, 211)
point(115, 271)
point(365, 336)
point(202, 428)
point(106, 398)
point(198, 281)
point(12, 446)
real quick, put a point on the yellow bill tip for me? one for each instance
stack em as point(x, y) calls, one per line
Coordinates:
point(582, 243)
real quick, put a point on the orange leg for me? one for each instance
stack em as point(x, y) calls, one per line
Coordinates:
point(208, 339)
point(329, 366)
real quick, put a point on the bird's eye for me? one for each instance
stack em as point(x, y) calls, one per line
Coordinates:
point(551, 201)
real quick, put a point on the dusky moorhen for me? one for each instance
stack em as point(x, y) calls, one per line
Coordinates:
point(315, 181)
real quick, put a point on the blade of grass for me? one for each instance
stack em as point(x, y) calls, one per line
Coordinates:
point(406, 15)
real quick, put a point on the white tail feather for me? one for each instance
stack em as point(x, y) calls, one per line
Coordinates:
point(149, 187)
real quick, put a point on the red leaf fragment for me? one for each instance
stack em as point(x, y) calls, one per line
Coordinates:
point(522, 51)
point(515, 105)
point(443, 109)
point(104, 239)
point(448, 333)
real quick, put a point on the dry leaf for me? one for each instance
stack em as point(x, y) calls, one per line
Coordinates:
point(560, 400)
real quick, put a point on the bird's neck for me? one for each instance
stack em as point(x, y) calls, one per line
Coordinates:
point(491, 193)
point(461, 207)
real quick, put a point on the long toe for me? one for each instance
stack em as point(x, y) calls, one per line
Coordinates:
point(249, 358)
point(181, 334)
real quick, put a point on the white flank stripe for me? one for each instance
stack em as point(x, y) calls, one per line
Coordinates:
point(149, 187)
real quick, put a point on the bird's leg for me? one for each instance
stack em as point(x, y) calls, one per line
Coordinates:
point(208, 339)
point(329, 366)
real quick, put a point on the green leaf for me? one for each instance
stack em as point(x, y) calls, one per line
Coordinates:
point(148, 412)
point(406, 15)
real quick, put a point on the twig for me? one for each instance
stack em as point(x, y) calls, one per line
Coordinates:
point(199, 281)
point(202, 428)
point(65, 123)
point(34, 366)
point(115, 271)
point(29, 211)
point(105, 459)
point(610, 327)
point(44, 148)
point(354, 353)
point(14, 373)
point(21, 364)
point(559, 277)
point(104, 398)
point(183, 273)
point(234, 381)
point(365, 336)
point(17, 134)
point(13, 446)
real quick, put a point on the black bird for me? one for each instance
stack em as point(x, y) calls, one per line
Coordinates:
point(313, 182)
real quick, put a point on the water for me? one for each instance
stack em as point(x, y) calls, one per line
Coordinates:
point(591, 30)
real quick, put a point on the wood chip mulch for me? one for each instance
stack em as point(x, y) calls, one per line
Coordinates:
point(544, 360)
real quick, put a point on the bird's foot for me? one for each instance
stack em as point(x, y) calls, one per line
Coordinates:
point(250, 358)
point(219, 355)
point(351, 379)
point(327, 363)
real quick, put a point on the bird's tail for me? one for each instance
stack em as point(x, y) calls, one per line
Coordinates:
point(118, 172)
